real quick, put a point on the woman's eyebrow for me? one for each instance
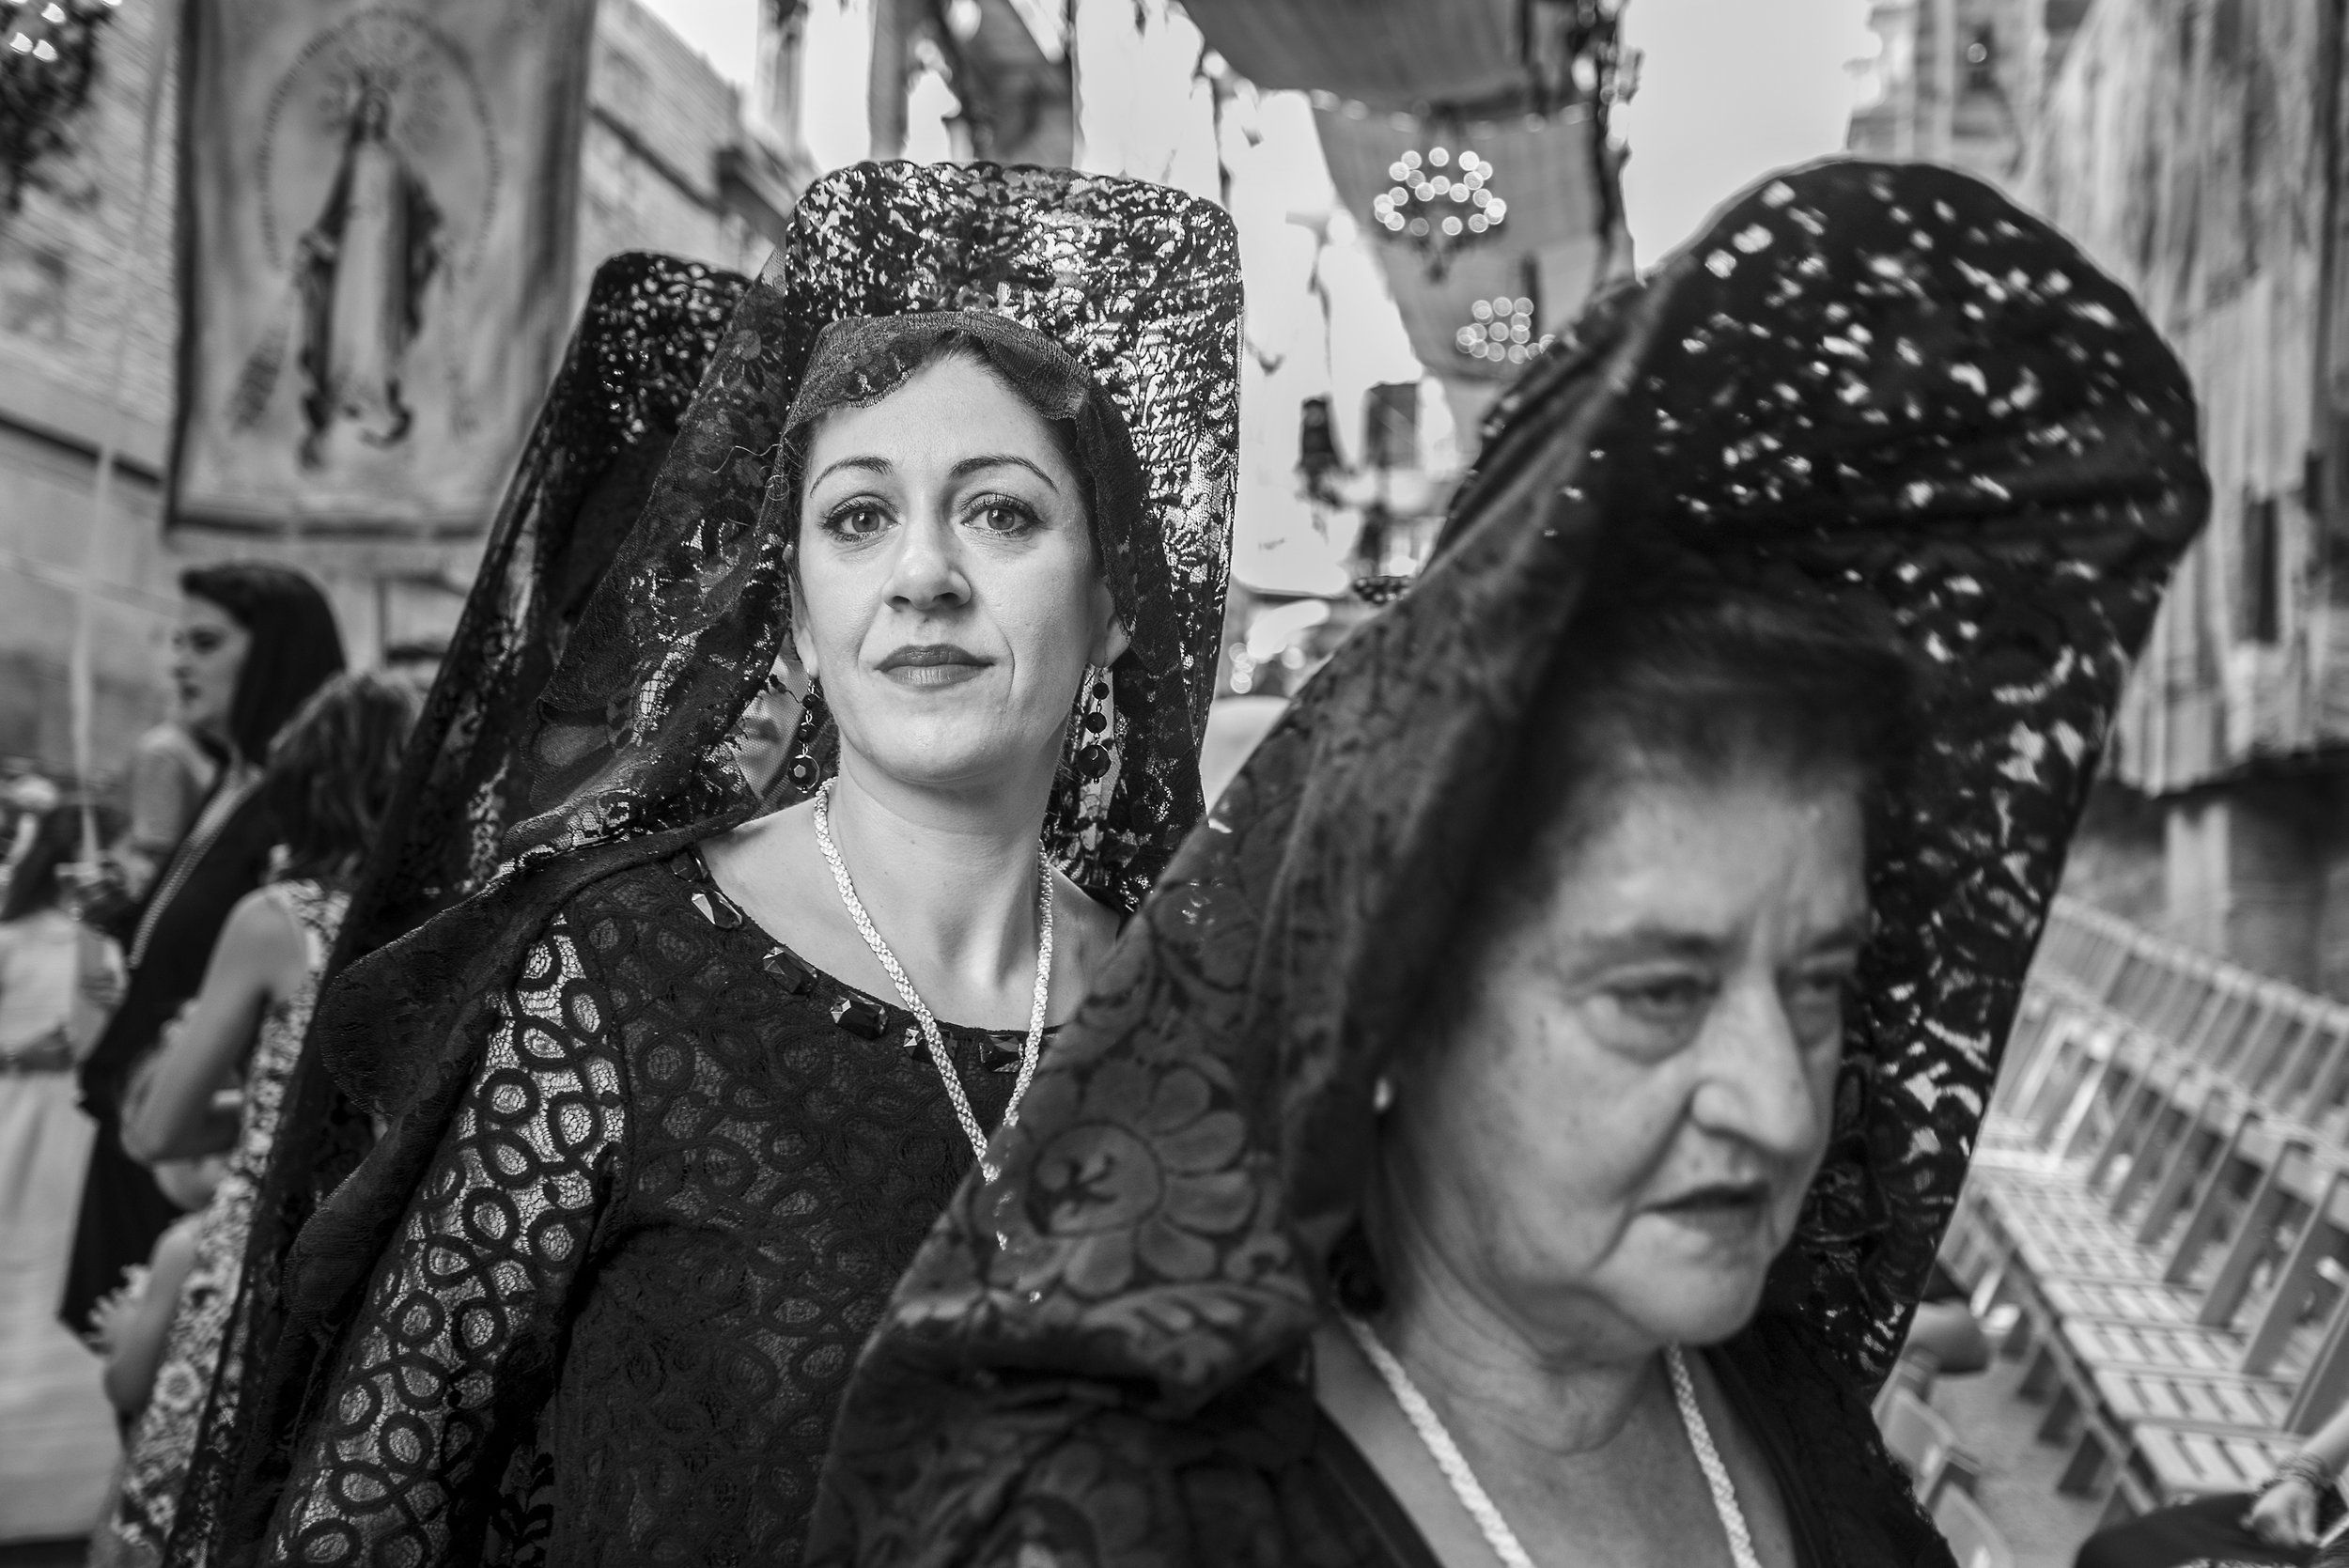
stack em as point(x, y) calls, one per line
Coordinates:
point(867, 464)
point(998, 460)
point(1648, 939)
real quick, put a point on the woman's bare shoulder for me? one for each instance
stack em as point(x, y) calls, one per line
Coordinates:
point(263, 931)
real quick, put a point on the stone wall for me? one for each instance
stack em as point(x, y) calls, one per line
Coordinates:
point(73, 284)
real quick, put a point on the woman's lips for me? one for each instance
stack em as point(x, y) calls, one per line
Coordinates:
point(933, 665)
point(1728, 1211)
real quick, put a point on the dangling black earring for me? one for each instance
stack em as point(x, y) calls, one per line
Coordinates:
point(1093, 752)
point(805, 771)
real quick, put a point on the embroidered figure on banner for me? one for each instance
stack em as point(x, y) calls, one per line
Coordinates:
point(364, 268)
point(389, 217)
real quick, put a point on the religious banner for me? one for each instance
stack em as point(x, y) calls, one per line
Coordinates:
point(375, 249)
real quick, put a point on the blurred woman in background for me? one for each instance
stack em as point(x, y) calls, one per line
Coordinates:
point(44, 1141)
point(329, 779)
point(45, 1024)
point(253, 641)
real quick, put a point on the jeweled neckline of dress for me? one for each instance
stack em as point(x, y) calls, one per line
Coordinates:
point(853, 1009)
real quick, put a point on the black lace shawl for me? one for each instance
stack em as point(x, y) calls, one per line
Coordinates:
point(1140, 285)
point(650, 326)
point(1882, 385)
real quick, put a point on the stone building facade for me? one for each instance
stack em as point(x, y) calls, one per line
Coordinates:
point(2191, 146)
point(667, 164)
point(2192, 149)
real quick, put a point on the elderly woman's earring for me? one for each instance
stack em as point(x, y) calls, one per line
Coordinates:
point(1381, 1096)
point(805, 771)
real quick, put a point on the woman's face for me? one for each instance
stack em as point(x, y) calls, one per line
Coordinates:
point(1609, 1138)
point(947, 596)
point(207, 650)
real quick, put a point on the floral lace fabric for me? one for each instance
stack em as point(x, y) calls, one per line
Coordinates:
point(1884, 386)
point(201, 1373)
point(650, 326)
point(625, 1298)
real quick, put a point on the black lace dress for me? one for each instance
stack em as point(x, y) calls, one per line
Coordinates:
point(622, 1306)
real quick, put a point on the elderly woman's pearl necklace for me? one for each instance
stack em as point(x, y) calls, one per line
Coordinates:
point(1454, 1465)
point(921, 1011)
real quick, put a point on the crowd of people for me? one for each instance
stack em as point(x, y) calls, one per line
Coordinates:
point(776, 1060)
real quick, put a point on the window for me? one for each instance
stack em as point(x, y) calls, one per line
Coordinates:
point(2262, 571)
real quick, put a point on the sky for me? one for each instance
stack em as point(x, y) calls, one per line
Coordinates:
point(1728, 89)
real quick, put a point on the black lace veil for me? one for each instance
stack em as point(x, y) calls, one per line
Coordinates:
point(1133, 288)
point(1886, 387)
point(650, 326)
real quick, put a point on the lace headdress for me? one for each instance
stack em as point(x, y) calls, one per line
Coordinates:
point(1115, 305)
point(1112, 303)
point(1884, 387)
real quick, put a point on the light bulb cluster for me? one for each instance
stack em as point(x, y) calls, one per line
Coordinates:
point(1435, 193)
point(1502, 331)
point(33, 25)
point(46, 70)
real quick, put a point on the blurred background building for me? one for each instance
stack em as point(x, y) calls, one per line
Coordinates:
point(2193, 148)
point(667, 163)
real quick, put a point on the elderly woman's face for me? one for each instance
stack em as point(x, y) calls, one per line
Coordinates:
point(1613, 1138)
point(949, 601)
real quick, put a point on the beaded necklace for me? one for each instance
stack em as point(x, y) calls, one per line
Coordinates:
point(1480, 1506)
point(912, 999)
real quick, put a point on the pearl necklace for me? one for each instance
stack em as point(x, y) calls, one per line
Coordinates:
point(1454, 1465)
point(912, 999)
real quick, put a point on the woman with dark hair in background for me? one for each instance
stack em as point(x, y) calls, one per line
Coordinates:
point(253, 641)
point(330, 777)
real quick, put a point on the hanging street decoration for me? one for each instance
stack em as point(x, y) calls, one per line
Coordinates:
point(1502, 331)
point(1439, 204)
point(45, 72)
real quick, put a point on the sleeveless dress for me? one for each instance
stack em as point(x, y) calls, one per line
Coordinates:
point(225, 856)
point(195, 1375)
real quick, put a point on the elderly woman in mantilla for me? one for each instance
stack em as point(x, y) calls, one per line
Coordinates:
point(673, 1101)
point(1519, 1126)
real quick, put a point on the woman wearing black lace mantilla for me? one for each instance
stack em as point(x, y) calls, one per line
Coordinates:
point(1519, 1125)
point(672, 1102)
